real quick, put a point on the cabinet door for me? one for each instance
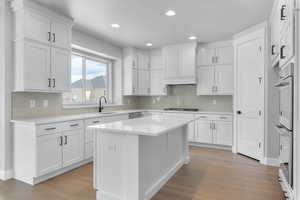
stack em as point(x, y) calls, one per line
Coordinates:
point(61, 34)
point(224, 55)
point(287, 45)
point(37, 27)
point(143, 82)
point(73, 148)
point(274, 32)
point(224, 79)
point(223, 133)
point(61, 70)
point(143, 60)
point(204, 133)
point(205, 80)
point(285, 148)
point(49, 153)
point(156, 59)
point(191, 132)
point(171, 55)
point(36, 66)
point(205, 56)
point(157, 83)
point(187, 62)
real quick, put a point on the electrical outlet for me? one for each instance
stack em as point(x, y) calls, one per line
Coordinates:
point(153, 101)
point(32, 103)
point(214, 102)
point(45, 103)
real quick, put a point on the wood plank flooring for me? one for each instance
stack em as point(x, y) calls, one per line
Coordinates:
point(211, 175)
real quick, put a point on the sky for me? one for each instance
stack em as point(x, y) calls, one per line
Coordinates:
point(93, 69)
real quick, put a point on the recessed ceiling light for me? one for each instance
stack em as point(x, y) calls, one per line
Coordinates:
point(149, 44)
point(170, 13)
point(192, 37)
point(115, 25)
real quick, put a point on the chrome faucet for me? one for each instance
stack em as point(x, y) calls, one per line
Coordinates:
point(100, 103)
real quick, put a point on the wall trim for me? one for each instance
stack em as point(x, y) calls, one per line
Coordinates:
point(6, 175)
point(274, 162)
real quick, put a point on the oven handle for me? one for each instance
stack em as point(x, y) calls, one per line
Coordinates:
point(282, 84)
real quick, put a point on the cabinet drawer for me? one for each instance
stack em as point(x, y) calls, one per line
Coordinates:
point(50, 129)
point(72, 125)
point(204, 117)
point(91, 122)
point(223, 118)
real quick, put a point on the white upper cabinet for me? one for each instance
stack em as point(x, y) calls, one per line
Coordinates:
point(143, 72)
point(42, 48)
point(274, 32)
point(60, 74)
point(144, 82)
point(224, 55)
point(215, 72)
point(223, 80)
point(180, 63)
point(37, 28)
point(206, 56)
point(37, 58)
point(61, 34)
point(205, 80)
point(286, 31)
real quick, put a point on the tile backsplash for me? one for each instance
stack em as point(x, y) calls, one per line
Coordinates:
point(179, 96)
point(185, 96)
point(21, 105)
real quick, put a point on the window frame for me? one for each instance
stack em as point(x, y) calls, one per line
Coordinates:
point(95, 58)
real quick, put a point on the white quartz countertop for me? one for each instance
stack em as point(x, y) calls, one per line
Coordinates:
point(64, 118)
point(152, 125)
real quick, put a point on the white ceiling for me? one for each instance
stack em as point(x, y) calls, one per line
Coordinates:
point(144, 21)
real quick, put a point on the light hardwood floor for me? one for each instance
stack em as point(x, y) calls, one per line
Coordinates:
point(211, 175)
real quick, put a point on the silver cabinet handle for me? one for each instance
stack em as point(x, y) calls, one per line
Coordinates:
point(95, 122)
point(74, 125)
point(203, 117)
point(54, 83)
point(223, 117)
point(50, 129)
point(54, 38)
point(49, 82)
point(61, 141)
point(49, 36)
point(66, 140)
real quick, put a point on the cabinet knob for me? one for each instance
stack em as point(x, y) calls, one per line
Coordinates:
point(54, 83)
point(282, 48)
point(273, 49)
point(49, 82)
point(54, 38)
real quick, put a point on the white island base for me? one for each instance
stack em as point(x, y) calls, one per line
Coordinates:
point(136, 166)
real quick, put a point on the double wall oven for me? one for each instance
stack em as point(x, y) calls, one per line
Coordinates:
point(285, 126)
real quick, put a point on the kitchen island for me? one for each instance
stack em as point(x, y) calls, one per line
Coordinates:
point(134, 158)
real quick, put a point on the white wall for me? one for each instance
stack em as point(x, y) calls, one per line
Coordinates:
point(5, 85)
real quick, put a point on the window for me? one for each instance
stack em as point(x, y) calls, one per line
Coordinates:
point(90, 79)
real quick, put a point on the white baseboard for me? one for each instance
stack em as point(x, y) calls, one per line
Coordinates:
point(270, 161)
point(286, 188)
point(196, 144)
point(5, 175)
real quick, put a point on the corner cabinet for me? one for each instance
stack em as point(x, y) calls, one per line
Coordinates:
point(180, 63)
point(215, 69)
point(42, 48)
point(143, 73)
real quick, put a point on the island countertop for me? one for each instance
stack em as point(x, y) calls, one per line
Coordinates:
point(153, 125)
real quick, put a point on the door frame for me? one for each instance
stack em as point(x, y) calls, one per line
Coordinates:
point(255, 32)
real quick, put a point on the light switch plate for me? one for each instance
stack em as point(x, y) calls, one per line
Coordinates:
point(32, 103)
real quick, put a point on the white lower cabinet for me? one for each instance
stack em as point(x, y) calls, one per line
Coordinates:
point(203, 132)
point(213, 129)
point(49, 154)
point(73, 147)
